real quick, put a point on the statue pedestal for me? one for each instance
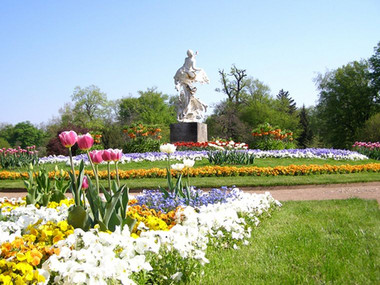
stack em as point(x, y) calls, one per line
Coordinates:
point(188, 132)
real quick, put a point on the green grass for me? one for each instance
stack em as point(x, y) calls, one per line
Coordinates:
point(240, 181)
point(316, 242)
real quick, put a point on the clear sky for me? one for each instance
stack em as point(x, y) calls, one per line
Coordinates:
point(47, 48)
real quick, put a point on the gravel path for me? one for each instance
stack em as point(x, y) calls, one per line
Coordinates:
point(370, 190)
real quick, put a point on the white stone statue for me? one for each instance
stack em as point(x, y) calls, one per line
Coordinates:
point(191, 109)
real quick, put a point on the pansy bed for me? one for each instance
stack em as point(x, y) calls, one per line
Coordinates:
point(166, 245)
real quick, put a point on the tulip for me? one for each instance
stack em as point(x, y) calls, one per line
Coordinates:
point(85, 142)
point(116, 154)
point(178, 166)
point(168, 148)
point(107, 155)
point(68, 138)
point(85, 183)
point(96, 156)
point(188, 162)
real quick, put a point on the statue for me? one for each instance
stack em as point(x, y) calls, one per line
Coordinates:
point(191, 109)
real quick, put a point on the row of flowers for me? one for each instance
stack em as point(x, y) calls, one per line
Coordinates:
point(370, 149)
point(38, 246)
point(309, 153)
point(209, 171)
point(217, 144)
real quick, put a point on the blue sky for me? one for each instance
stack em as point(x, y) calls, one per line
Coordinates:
point(50, 47)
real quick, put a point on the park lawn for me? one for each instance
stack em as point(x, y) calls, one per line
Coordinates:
point(313, 242)
point(239, 181)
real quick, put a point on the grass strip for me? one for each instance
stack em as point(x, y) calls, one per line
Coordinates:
point(314, 242)
point(239, 181)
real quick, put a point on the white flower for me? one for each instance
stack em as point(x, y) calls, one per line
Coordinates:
point(178, 166)
point(177, 276)
point(188, 162)
point(168, 148)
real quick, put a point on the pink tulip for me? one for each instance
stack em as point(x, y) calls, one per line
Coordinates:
point(68, 139)
point(85, 183)
point(85, 142)
point(96, 156)
point(107, 155)
point(116, 154)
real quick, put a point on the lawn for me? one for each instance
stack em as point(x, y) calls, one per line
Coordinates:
point(314, 242)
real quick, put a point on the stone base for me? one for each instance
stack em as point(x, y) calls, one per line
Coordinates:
point(188, 132)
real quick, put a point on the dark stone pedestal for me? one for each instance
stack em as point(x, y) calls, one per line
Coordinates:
point(188, 132)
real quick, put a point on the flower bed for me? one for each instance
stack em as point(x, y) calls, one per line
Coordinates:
point(319, 153)
point(166, 245)
point(222, 171)
point(372, 150)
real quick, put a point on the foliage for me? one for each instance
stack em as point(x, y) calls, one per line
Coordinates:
point(374, 62)
point(372, 150)
point(267, 137)
point(4, 143)
point(23, 134)
point(12, 158)
point(230, 157)
point(90, 106)
point(39, 188)
point(112, 136)
point(54, 146)
point(370, 130)
point(306, 136)
point(151, 107)
point(286, 101)
point(346, 101)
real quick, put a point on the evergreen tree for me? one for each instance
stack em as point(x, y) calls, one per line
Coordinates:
point(306, 135)
point(287, 101)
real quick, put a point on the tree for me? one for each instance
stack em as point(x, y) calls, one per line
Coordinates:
point(23, 134)
point(151, 107)
point(90, 106)
point(374, 62)
point(346, 101)
point(306, 135)
point(286, 101)
point(234, 89)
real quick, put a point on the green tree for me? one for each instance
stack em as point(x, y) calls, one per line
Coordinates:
point(371, 130)
point(23, 134)
point(151, 107)
point(346, 101)
point(90, 106)
point(374, 62)
point(306, 136)
point(286, 101)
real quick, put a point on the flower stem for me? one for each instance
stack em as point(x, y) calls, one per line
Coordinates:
point(117, 173)
point(94, 170)
point(76, 190)
point(109, 175)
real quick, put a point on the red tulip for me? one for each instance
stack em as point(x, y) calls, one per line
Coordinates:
point(85, 183)
point(68, 138)
point(85, 142)
point(96, 156)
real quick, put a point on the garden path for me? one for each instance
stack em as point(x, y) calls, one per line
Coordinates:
point(369, 190)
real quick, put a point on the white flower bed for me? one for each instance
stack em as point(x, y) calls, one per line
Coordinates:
point(96, 257)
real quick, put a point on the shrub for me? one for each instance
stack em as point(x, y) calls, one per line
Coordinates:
point(54, 146)
point(142, 138)
point(267, 137)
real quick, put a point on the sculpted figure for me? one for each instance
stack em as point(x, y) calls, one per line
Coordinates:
point(191, 109)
